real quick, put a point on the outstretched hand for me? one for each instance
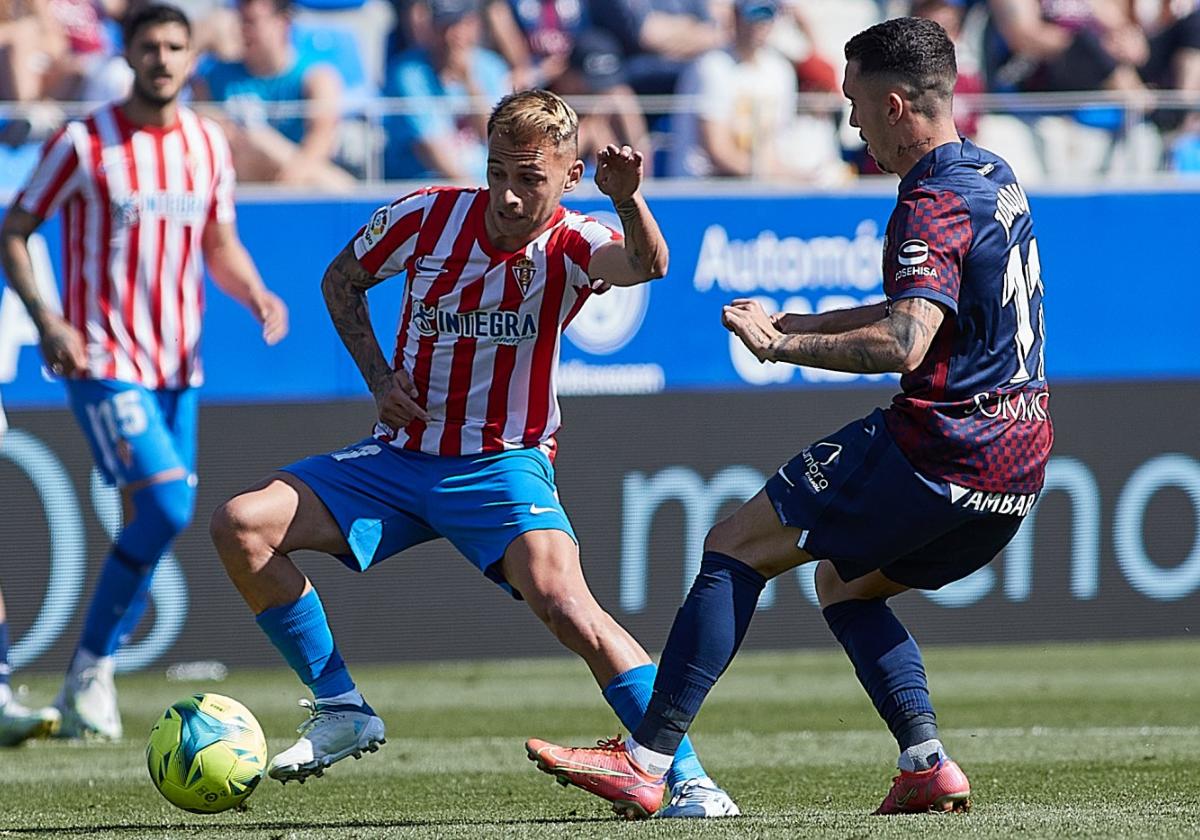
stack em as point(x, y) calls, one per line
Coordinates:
point(747, 320)
point(619, 171)
point(272, 313)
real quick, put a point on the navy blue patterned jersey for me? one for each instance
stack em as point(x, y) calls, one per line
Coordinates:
point(975, 413)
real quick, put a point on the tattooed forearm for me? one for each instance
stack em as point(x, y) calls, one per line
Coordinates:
point(345, 290)
point(896, 343)
point(644, 243)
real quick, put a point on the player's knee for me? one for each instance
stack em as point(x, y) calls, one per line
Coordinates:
point(236, 531)
point(569, 615)
point(166, 506)
point(831, 589)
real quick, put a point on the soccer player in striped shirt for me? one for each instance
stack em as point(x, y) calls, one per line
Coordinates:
point(467, 416)
point(146, 193)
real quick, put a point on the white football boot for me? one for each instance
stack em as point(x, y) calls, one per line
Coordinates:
point(18, 724)
point(331, 733)
point(699, 798)
point(88, 700)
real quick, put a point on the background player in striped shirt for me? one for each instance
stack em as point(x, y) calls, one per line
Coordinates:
point(917, 495)
point(146, 192)
point(467, 417)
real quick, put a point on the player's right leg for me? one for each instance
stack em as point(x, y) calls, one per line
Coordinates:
point(136, 450)
point(254, 533)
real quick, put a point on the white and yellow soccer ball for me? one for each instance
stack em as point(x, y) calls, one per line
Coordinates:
point(206, 754)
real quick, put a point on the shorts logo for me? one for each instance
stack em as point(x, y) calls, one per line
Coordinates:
point(1005, 504)
point(377, 226)
point(913, 252)
point(356, 452)
point(823, 454)
point(524, 271)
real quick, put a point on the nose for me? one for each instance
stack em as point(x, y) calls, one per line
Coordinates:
point(510, 198)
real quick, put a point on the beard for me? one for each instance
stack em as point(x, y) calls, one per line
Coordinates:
point(152, 97)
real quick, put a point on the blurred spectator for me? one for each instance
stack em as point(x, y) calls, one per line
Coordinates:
point(659, 38)
point(1068, 45)
point(594, 68)
point(444, 142)
point(949, 15)
point(746, 122)
point(31, 41)
point(296, 148)
point(535, 36)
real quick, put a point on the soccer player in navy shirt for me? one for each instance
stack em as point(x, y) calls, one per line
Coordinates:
point(916, 495)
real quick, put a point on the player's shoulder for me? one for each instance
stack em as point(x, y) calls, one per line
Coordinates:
point(972, 175)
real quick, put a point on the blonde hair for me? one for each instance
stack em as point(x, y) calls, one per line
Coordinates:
point(534, 116)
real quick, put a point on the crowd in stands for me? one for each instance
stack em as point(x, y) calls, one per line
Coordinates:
point(319, 93)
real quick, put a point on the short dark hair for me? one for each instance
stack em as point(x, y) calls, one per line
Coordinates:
point(151, 15)
point(916, 52)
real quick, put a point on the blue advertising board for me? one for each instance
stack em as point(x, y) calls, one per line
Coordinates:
point(1119, 270)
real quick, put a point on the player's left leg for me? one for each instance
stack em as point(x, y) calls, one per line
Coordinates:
point(503, 513)
point(132, 438)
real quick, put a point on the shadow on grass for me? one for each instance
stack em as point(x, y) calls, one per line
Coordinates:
point(289, 825)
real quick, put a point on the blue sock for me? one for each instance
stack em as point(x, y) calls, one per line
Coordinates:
point(629, 694)
point(5, 670)
point(706, 634)
point(161, 511)
point(117, 604)
point(300, 631)
point(888, 664)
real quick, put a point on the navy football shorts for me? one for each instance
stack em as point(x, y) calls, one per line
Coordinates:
point(860, 504)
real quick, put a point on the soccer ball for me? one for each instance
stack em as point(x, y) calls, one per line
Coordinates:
point(206, 754)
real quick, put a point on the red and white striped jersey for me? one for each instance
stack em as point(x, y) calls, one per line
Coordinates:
point(480, 328)
point(135, 202)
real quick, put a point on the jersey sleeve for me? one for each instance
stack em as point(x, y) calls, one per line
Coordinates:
point(581, 240)
point(389, 239)
point(54, 179)
point(928, 240)
point(222, 210)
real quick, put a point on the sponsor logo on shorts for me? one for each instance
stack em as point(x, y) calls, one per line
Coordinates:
point(913, 252)
point(1006, 504)
point(817, 456)
point(356, 452)
point(537, 510)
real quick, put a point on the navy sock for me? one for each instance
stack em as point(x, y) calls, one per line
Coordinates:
point(888, 664)
point(628, 694)
point(5, 670)
point(706, 634)
point(300, 631)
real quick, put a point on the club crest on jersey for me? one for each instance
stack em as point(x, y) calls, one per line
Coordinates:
point(524, 271)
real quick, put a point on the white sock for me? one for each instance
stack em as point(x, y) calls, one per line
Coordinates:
point(922, 756)
point(6, 694)
point(350, 698)
point(85, 659)
point(654, 763)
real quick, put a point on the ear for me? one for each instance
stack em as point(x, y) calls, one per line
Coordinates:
point(896, 107)
point(574, 175)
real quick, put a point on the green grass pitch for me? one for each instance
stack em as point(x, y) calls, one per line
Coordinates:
point(1096, 740)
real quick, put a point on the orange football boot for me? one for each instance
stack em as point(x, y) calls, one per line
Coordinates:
point(605, 770)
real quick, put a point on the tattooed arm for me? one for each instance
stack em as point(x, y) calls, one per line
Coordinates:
point(643, 256)
point(894, 343)
point(833, 321)
point(344, 287)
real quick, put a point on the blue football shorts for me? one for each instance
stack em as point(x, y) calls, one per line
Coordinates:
point(860, 504)
point(135, 433)
point(386, 499)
